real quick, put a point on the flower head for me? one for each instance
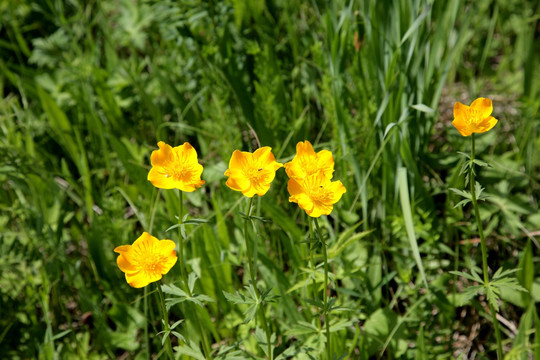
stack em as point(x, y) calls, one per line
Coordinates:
point(316, 193)
point(307, 162)
point(475, 118)
point(175, 168)
point(252, 173)
point(146, 260)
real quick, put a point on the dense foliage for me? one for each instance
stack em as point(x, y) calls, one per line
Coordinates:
point(88, 88)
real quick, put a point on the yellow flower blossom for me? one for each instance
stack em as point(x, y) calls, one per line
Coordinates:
point(252, 173)
point(475, 118)
point(307, 162)
point(316, 193)
point(175, 168)
point(146, 260)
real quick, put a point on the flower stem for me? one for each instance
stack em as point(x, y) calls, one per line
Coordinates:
point(165, 322)
point(484, 250)
point(253, 275)
point(206, 345)
point(325, 292)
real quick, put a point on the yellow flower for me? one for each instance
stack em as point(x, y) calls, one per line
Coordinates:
point(252, 173)
point(146, 260)
point(175, 168)
point(316, 193)
point(307, 162)
point(475, 118)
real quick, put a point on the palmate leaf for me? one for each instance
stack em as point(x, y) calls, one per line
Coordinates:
point(190, 349)
point(181, 296)
point(260, 335)
point(248, 297)
point(302, 328)
point(473, 276)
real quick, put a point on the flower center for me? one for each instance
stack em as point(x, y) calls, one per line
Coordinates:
point(319, 194)
point(151, 263)
point(253, 173)
point(179, 174)
point(473, 117)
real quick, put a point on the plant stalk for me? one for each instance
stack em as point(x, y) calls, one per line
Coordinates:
point(253, 276)
point(325, 292)
point(206, 345)
point(484, 250)
point(165, 322)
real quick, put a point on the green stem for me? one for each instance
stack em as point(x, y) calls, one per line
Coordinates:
point(165, 322)
point(325, 291)
point(484, 250)
point(206, 345)
point(145, 299)
point(146, 336)
point(253, 275)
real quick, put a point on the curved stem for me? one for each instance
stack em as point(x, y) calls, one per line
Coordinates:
point(165, 322)
point(484, 250)
point(253, 276)
point(325, 292)
point(206, 345)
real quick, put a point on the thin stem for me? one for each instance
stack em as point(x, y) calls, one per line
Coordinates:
point(206, 345)
point(165, 322)
point(325, 291)
point(146, 336)
point(145, 299)
point(484, 250)
point(181, 240)
point(253, 275)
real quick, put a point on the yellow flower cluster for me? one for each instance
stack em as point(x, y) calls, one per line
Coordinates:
point(310, 183)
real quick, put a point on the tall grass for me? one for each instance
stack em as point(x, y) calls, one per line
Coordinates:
point(88, 88)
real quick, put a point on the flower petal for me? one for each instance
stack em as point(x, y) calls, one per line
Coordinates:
point(336, 189)
point(161, 179)
point(239, 160)
point(162, 156)
point(325, 163)
point(460, 110)
point(484, 106)
point(141, 278)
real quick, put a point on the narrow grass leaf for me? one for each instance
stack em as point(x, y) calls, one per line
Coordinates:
point(409, 224)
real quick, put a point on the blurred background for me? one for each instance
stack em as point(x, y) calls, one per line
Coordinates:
point(88, 88)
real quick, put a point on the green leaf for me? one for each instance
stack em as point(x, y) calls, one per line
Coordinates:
point(461, 193)
point(525, 274)
point(423, 108)
point(190, 349)
point(409, 225)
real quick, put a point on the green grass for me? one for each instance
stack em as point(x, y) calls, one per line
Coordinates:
point(88, 88)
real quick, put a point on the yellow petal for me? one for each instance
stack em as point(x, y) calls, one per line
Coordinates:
point(337, 189)
point(304, 149)
point(320, 209)
point(141, 278)
point(161, 179)
point(483, 106)
point(162, 156)
point(326, 163)
point(239, 160)
point(237, 181)
point(460, 110)
point(294, 187)
point(462, 127)
point(124, 264)
point(489, 123)
point(122, 249)
point(263, 157)
point(145, 243)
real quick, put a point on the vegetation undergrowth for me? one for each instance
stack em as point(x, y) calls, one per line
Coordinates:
point(402, 266)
